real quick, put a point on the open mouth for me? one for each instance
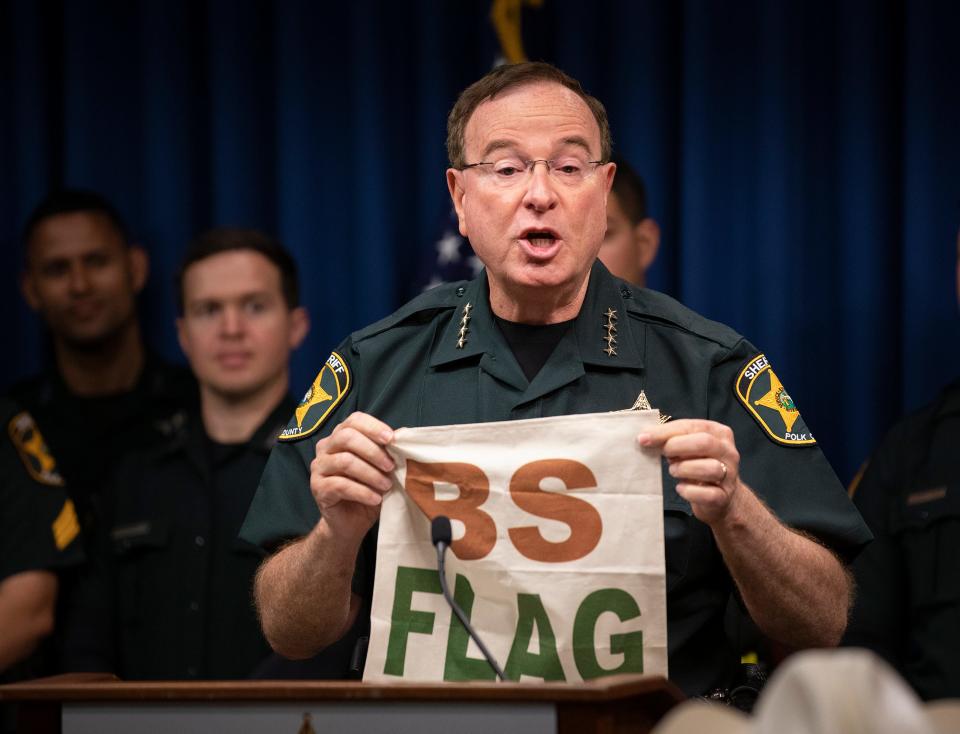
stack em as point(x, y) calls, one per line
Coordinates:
point(539, 237)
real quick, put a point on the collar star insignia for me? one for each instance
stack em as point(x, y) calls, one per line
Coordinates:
point(610, 337)
point(777, 399)
point(464, 326)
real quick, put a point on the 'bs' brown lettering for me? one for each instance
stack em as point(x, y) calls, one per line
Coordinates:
point(583, 519)
point(481, 534)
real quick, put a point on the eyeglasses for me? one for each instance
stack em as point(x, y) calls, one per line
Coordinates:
point(570, 170)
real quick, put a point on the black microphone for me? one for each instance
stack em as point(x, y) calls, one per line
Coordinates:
point(441, 535)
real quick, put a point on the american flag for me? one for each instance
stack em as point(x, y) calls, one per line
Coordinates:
point(452, 257)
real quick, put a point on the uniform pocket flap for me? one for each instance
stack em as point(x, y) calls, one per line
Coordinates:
point(130, 536)
point(923, 507)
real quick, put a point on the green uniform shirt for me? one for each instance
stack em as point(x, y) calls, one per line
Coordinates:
point(410, 370)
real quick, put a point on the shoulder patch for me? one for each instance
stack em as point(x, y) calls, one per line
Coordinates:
point(328, 389)
point(764, 397)
point(33, 450)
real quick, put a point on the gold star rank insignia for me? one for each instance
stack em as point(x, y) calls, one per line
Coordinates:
point(464, 327)
point(611, 336)
point(765, 398)
point(327, 391)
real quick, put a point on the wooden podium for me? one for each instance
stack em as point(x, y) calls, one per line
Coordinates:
point(86, 703)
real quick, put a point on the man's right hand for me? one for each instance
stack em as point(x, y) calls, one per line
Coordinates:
point(349, 475)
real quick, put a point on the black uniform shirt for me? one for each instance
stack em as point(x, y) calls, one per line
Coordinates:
point(408, 370)
point(38, 524)
point(182, 578)
point(908, 579)
point(39, 528)
point(90, 435)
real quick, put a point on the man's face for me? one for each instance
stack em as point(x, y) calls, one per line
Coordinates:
point(82, 278)
point(628, 248)
point(620, 248)
point(539, 234)
point(236, 328)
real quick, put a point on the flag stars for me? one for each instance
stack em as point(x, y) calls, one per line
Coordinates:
point(448, 248)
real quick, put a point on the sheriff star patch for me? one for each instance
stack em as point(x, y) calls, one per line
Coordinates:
point(33, 451)
point(768, 402)
point(326, 392)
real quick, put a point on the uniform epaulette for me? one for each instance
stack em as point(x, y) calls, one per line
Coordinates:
point(651, 305)
point(442, 297)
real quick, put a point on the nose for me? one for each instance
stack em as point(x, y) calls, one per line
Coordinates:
point(79, 279)
point(540, 194)
point(232, 322)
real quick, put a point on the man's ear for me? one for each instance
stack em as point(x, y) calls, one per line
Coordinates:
point(29, 291)
point(299, 326)
point(455, 186)
point(647, 236)
point(139, 264)
point(182, 337)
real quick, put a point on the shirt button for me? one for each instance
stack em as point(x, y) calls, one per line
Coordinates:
point(199, 541)
point(460, 291)
point(194, 606)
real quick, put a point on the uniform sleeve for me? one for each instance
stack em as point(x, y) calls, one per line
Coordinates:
point(39, 529)
point(779, 457)
point(283, 508)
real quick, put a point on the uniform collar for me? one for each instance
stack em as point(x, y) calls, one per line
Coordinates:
point(585, 344)
point(193, 439)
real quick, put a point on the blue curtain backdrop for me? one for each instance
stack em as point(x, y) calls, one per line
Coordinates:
point(801, 156)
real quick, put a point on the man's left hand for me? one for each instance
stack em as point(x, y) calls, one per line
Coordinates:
point(703, 458)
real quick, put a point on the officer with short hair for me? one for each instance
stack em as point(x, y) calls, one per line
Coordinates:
point(105, 393)
point(545, 330)
point(632, 238)
point(171, 599)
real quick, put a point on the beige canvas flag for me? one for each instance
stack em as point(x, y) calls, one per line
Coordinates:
point(557, 557)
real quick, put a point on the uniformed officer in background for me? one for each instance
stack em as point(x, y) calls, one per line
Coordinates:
point(39, 535)
point(908, 579)
point(546, 330)
point(39, 538)
point(632, 238)
point(104, 393)
point(177, 578)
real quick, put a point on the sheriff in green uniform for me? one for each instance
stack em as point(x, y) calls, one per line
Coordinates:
point(546, 331)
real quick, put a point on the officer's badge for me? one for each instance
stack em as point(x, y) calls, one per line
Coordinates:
point(770, 404)
point(33, 451)
point(326, 392)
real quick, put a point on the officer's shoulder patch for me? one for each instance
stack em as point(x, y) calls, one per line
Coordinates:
point(33, 450)
point(764, 397)
point(327, 391)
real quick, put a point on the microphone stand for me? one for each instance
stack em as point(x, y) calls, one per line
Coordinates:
point(441, 536)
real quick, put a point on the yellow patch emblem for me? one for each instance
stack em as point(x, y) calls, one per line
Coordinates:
point(66, 527)
point(765, 398)
point(33, 450)
point(329, 388)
